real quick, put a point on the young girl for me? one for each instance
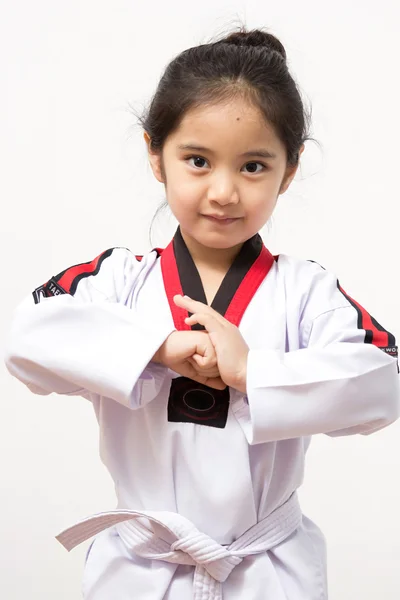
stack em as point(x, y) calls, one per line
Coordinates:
point(211, 363)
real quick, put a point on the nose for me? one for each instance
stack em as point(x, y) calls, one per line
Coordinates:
point(222, 189)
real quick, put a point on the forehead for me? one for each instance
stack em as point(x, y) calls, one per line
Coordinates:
point(231, 125)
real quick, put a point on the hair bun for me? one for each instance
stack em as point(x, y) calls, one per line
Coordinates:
point(256, 37)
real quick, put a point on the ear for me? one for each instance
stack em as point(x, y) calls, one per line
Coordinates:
point(154, 159)
point(290, 174)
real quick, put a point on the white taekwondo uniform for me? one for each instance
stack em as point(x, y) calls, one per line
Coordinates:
point(206, 479)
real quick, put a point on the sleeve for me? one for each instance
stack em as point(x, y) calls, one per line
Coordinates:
point(75, 336)
point(343, 381)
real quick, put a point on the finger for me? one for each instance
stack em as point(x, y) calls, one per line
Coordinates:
point(198, 361)
point(205, 372)
point(187, 370)
point(201, 366)
point(207, 320)
point(205, 351)
point(186, 302)
point(192, 373)
point(206, 361)
point(193, 306)
point(214, 382)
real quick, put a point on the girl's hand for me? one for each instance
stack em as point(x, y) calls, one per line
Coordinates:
point(230, 347)
point(177, 351)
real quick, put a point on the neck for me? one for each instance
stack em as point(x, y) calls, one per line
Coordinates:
point(214, 258)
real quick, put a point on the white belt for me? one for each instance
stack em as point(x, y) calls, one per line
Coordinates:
point(190, 546)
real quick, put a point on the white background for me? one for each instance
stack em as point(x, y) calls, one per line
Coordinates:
point(75, 181)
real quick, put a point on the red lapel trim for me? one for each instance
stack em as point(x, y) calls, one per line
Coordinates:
point(245, 292)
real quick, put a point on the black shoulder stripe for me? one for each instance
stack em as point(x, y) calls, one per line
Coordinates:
point(66, 281)
point(375, 333)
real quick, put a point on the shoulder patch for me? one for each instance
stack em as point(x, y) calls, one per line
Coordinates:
point(375, 333)
point(51, 288)
point(67, 281)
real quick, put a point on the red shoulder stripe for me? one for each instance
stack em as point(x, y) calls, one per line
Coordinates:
point(70, 278)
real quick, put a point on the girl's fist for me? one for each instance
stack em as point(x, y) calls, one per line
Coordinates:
point(191, 354)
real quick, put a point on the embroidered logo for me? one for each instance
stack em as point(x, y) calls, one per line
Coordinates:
point(191, 402)
point(392, 350)
point(51, 288)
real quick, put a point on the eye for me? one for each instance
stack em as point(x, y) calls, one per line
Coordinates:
point(253, 163)
point(200, 159)
point(196, 158)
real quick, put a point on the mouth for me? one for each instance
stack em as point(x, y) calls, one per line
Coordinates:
point(221, 220)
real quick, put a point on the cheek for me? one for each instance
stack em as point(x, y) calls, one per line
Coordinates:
point(183, 193)
point(262, 207)
point(182, 202)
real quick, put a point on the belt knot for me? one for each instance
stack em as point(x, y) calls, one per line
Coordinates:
point(205, 551)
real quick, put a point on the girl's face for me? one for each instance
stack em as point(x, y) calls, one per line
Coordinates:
point(225, 177)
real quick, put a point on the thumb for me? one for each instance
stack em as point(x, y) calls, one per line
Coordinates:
point(205, 355)
point(201, 361)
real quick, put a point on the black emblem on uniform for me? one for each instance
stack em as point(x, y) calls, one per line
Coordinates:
point(38, 294)
point(51, 288)
point(392, 350)
point(192, 402)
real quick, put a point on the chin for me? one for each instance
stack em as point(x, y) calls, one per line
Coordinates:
point(219, 241)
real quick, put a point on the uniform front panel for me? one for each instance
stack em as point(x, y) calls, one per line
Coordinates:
point(209, 475)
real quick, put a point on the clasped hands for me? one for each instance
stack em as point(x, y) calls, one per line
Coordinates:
point(216, 357)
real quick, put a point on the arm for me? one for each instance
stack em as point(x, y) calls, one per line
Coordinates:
point(83, 339)
point(344, 381)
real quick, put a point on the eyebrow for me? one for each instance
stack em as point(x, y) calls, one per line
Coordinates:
point(257, 152)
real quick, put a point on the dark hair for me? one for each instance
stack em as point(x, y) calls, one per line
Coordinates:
point(249, 64)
